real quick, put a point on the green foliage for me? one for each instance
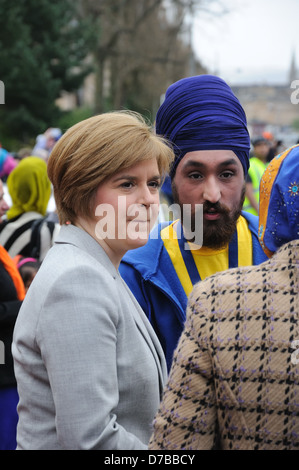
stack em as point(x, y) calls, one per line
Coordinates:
point(42, 47)
point(70, 118)
point(295, 124)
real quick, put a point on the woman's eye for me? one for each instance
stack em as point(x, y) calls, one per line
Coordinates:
point(127, 185)
point(154, 184)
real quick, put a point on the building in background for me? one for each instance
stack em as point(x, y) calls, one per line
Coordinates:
point(270, 108)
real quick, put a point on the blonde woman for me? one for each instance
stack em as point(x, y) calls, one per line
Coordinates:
point(89, 367)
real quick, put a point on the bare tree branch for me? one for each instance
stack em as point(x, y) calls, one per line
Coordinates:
point(140, 45)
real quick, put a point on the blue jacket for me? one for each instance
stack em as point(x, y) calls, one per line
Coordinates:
point(150, 274)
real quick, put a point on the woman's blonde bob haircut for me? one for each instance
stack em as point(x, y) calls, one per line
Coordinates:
point(94, 150)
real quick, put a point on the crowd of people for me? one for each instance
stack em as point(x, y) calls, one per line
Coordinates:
point(27, 231)
point(177, 334)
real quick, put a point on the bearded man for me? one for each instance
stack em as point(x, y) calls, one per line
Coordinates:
point(206, 125)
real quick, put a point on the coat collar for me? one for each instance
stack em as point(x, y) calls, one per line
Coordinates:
point(72, 235)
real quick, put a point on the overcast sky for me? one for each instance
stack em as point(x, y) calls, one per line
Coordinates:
point(252, 43)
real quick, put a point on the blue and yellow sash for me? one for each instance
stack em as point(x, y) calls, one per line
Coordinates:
point(194, 265)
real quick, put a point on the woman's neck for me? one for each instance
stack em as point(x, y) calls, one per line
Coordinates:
point(89, 227)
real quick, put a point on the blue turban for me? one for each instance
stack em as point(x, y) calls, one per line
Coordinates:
point(279, 201)
point(202, 113)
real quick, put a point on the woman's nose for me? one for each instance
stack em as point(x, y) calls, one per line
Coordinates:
point(146, 197)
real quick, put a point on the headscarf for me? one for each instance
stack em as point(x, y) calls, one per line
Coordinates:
point(202, 113)
point(279, 201)
point(29, 187)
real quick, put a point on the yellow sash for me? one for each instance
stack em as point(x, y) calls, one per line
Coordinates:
point(207, 260)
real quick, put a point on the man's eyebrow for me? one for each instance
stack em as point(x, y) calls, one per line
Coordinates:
point(229, 162)
point(193, 163)
point(196, 164)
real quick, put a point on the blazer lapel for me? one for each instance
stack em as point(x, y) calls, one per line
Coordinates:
point(150, 337)
point(71, 234)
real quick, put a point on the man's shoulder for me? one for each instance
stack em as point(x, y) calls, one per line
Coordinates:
point(151, 246)
point(146, 259)
point(252, 220)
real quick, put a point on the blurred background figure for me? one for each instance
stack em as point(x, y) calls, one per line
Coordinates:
point(276, 146)
point(258, 164)
point(25, 231)
point(3, 204)
point(23, 152)
point(7, 163)
point(45, 143)
point(12, 292)
point(27, 268)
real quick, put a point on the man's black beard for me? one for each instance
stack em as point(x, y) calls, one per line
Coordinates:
point(216, 233)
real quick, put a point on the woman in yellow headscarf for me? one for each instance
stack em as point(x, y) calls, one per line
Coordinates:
point(30, 190)
point(29, 187)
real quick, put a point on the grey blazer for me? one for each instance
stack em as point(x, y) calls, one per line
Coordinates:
point(89, 367)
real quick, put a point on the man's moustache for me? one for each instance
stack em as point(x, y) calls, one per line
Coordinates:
point(216, 207)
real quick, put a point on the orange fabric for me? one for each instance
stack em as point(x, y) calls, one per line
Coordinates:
point(12, 270)
point(265, 191)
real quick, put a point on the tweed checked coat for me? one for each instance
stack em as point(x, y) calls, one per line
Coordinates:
point(234, 382)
